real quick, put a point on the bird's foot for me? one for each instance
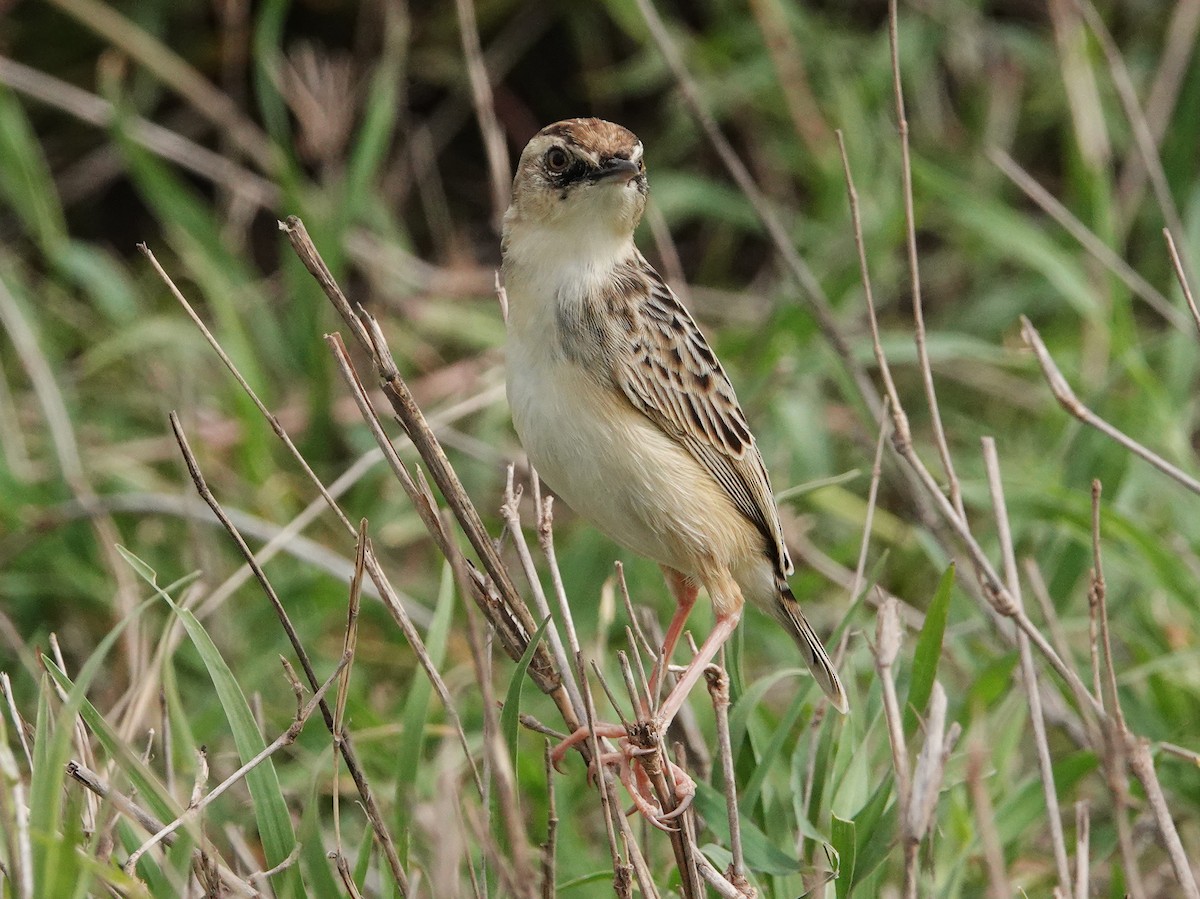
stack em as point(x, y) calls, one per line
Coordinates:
point(634, 764)
point(559, 752)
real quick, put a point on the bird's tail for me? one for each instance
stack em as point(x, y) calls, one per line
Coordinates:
point(811, 648)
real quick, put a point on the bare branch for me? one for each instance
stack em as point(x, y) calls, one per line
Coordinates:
point(1177, 264)
point(499, 171)
point(910, 229)
point(1066, 398)
point(1028, 673)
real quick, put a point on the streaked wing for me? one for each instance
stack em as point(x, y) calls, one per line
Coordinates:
point(669, 373)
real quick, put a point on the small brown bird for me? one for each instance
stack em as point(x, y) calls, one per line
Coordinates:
point(622, 406)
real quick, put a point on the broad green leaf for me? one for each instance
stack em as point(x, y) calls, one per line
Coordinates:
point(318, 868)
point(270, 809)
point(875, 830)
point(745, 705)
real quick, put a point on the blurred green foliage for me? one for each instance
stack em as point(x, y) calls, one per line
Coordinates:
point(358, 118)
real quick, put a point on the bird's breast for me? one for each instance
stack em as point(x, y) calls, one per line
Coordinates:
point(615, 467)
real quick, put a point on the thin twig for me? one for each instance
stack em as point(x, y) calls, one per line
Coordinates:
point(128, 807)
point(1142, 766)
point(382, 833)
point(1143, 137)
point(15, 809)
point(622, 870)
point(1177, 264)
point(1112, 748)
point(79, 731)
point(198, 804)
point(872, 495)
point(888, 636)
point(510, 511)
point(718, 688)
point(349, 644)
point(1066, 398)
point(503, 775)
point(485, 110)
point(1058, 841)
point(723, 888)
point(910, 229)
point(928, 774)
point(17, 720)
point(1086, 238)
point(116, 798)
point(549, 848)
point(1174, 63)
point(1083, 829)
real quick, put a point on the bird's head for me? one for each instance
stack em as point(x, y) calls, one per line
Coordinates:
point(584, 177)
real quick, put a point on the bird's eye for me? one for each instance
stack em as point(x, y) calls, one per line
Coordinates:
point(557, 160)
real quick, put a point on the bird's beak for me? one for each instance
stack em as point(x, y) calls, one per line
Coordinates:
point(617, 169)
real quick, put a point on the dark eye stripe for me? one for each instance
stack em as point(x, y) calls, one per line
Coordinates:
point(576, 171)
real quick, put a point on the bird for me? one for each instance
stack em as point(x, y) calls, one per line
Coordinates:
point(621, 405)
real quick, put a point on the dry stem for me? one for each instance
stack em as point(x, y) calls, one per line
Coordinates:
point(910, 230)
point(1028, 672)
point(1066, 398)
point(345, 744)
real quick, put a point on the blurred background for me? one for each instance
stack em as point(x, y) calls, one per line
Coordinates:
point(194, 127)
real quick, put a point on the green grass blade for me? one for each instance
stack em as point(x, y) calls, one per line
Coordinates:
point(510, 714)
point(841, 837)
point(761, 854)
point(928, 652)
point(749, 796)
point(54, 869)
point(416, 710)
point(270, 809)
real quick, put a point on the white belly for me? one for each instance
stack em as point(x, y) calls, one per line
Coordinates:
point(614, 467)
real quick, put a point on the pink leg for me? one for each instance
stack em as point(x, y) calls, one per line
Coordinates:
point(684, 591)
point(677, 697)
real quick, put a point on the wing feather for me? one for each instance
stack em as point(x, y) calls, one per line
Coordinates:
point(667, 370)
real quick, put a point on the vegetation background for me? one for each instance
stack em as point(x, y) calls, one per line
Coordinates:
point(195, 126)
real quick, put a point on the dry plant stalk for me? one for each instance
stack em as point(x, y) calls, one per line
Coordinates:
point(496, 596)
point(1071, 403)
point(1028, 673)
point(512, 621)
point(985, 820)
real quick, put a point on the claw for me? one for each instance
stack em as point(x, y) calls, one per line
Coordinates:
point(632, 776)
point(684, 804)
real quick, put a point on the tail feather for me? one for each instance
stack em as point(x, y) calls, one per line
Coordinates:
point(812, 649)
